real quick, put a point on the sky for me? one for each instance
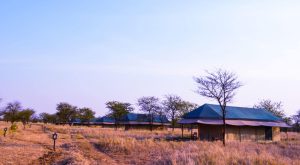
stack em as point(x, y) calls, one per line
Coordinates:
point(89, 52)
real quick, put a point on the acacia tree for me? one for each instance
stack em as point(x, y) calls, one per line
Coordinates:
point(117, 110)
point(172, 106)
point(48, 118)
point(273, 107)
point(150, 105)
point(66, 113)
point(25, 116)
point(220, 86)
point(86, 114)
point(11, 112)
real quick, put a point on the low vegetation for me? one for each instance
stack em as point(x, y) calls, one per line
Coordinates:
point(95, 145)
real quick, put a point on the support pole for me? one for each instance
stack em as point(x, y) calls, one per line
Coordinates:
point(240, 134)
point(181, 131)
point(191, 129)
point(199, 132)
point(287, 135)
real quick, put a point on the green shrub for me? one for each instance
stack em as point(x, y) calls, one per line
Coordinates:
point(14, 127)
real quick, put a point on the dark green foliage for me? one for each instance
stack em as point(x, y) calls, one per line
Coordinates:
point(14, 127)
point(25, 116)
point(48, 118)
point(66, 113)
point(86, 114)
point(11, 112)
point(117, 110)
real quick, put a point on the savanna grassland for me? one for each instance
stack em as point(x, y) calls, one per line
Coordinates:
point(95, 145)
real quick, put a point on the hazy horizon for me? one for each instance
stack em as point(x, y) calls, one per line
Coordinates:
point(88, 53)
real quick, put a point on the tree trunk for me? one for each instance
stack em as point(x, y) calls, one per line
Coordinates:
point(173, 124)
point(151, 122)
point(224, 131)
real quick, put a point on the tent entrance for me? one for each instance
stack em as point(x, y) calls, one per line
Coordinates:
point(268, 133)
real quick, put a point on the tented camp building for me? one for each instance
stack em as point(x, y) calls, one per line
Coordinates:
point(104, 121)
point(144, 121)
point(243, 124)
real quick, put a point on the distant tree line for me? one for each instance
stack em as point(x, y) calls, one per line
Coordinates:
point(220, 86)
point(13, 112)
point(67, 114)
point(172, 106)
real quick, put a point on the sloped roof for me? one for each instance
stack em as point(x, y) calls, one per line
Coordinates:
point(211, 111)
point(135, 117)
point(104, 119)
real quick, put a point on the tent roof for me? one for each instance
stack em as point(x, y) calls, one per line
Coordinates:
point(144, 118)
point(211, 111)
point(104, 119)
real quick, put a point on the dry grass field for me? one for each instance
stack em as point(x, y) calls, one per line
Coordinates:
point(95, 145)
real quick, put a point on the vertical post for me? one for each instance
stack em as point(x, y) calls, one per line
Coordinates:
point(240, 134)
point(54, 137)
point(199, 131)
point(255, 134)
point(181, 131)
point(287, 135)
point(191, 129)
point(5, 129)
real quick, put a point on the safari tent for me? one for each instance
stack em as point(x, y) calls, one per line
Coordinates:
point(243, 124)
point(143, 121)
point(104, 121)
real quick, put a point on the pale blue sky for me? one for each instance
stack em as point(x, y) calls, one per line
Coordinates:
point(90, 52)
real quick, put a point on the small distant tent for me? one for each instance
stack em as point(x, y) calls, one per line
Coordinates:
point(105, 121)
point(143, 121)
point(241, 123)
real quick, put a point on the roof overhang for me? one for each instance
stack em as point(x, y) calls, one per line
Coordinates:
point(234, 122)
point(143, 123)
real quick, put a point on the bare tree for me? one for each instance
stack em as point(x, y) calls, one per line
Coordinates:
point(172, 107)
point(187, 107)
point(296, 119)
point(220, 86)
point(150, 105)
point(273, 107)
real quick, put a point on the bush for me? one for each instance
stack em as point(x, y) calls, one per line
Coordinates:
point(14, 127)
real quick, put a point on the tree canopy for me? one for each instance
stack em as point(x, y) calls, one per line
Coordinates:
point(11, 112)
point(274, 107)
point(172, 106)
point(66, 112)
point(25, 116)
point(150, 105)
point(117, 110)
point(86, 114)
